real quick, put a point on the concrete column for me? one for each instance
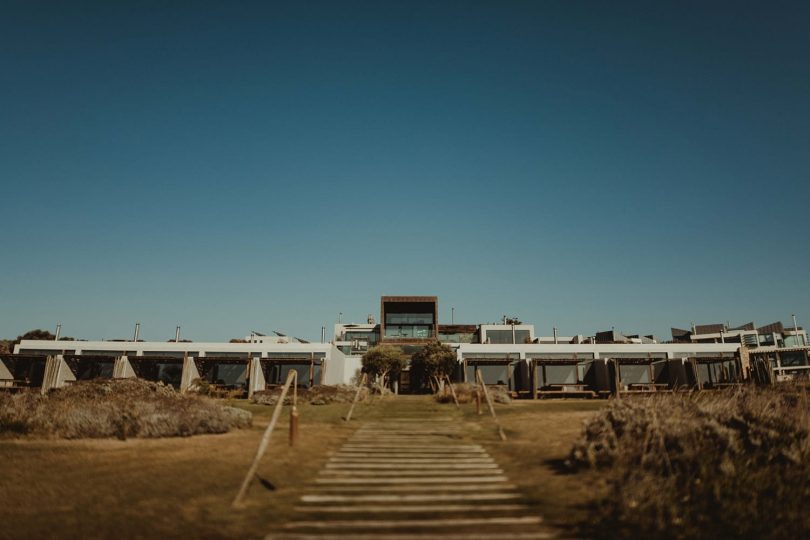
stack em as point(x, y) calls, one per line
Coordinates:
point(256, 381)
point(190, 374)
point(48, 378)
point(57, 373)
point(6, 378)
point(745, 363)
point(122, 369)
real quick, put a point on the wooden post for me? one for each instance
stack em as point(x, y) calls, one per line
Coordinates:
point(294, 415)
point(617, 378)
point(293, 425)
point(452, 391)
point(292, 376)
point(489, 404)
point(478, 402)
point(356, 396)
point(696, 369)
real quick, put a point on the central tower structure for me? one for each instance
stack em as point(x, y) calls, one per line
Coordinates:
point(409, 320)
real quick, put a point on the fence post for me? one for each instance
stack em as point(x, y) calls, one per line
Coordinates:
point(291, 376)
point(489, 403)
point(478, 402)
point(452, 390)
point(294, 414)
point(356, 396)
point(617, 378)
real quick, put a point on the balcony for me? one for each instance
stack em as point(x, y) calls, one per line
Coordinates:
point(409, 331)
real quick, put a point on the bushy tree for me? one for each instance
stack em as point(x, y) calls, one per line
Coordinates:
point(383, 361)
point(38, 334)
point(433, 362)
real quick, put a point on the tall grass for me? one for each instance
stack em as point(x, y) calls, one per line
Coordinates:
point(115, 408)
point(465, 393)
point(314, 395)
point(731, 464)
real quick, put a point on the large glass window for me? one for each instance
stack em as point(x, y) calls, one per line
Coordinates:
point(229, 374)
point(492, 374)
point(565, 374)
point(505, 336)
point(170, 373)
point(408, 318)
point(790, 359)
point(90, 369)
point(635, 374)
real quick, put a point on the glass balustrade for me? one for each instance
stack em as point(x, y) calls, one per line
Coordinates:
point(409, 331)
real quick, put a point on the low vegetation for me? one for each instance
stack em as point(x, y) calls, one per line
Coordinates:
point(732, 464)
point(115, 408)
point(315, 395)
point(465, 393)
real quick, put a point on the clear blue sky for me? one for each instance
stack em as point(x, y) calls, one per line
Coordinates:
point(230, 166)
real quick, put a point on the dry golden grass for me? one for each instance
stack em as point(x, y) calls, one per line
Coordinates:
point(539, 438)
point(465, 393)
point(731, 464)
point(161, 488)
point(315, 395)
point(115, 408)
point(182, 487)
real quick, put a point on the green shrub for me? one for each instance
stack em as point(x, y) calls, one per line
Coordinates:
point(115, 408)
point(731, 464)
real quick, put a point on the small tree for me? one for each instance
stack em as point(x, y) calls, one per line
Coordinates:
point(433, 363)
point(383, 361)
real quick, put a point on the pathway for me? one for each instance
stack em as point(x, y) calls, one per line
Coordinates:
point(403, 478)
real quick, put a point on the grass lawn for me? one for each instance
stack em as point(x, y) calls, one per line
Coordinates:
point(539, 437)
point(182, 487)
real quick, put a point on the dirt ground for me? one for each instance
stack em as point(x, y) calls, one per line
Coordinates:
point(182, 487)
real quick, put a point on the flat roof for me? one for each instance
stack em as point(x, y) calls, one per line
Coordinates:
point(409, 298)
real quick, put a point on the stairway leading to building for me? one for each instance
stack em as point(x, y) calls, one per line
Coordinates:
point(407, 477)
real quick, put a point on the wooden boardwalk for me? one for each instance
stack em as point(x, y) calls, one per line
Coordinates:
point(405, 478)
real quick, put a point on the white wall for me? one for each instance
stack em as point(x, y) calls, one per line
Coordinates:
point(341, 368)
